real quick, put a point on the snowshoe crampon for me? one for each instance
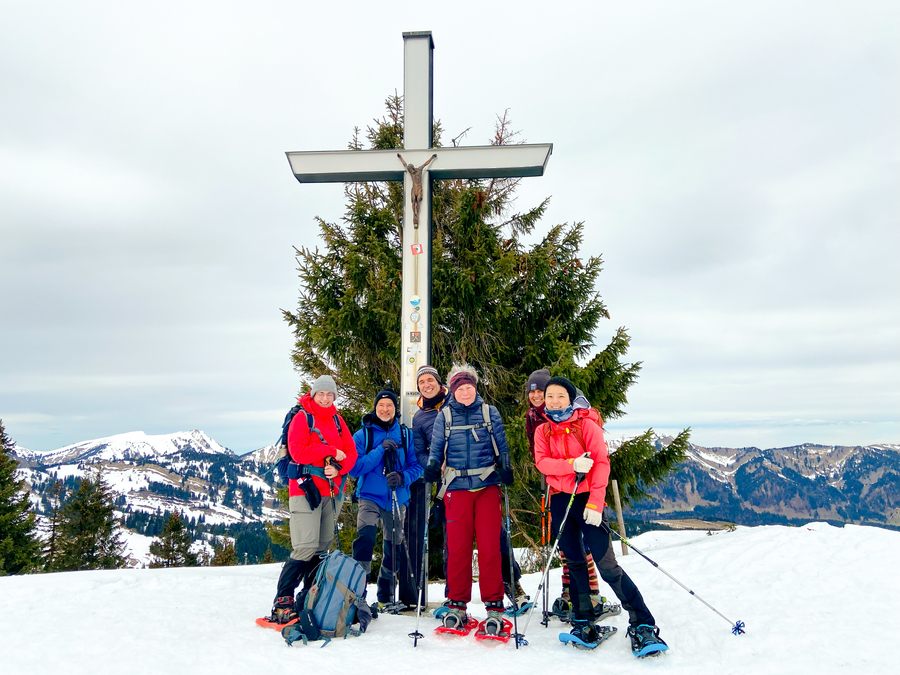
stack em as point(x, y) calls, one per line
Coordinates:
point(603, 634)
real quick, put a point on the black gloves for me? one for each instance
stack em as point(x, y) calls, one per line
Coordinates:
point(394, 480)
point(506, 475)
point(432, 473)
point(388, 444)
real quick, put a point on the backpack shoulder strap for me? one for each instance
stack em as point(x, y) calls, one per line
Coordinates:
point(337, 423)
point(486, 414)
point(367, 434)
point(448, 421)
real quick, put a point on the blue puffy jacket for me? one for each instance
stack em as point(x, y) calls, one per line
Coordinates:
point(370, 469)
point(469, 448)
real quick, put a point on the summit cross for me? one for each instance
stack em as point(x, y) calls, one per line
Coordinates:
point(417, 164)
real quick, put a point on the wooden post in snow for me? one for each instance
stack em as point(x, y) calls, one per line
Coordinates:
point(615, 489)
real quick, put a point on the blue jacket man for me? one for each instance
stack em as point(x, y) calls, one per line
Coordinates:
point(386, 466)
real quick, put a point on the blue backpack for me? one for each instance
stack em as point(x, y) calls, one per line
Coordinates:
point(335, 602)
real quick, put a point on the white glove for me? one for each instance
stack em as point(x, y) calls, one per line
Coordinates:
point(593, 517)
point(582, 464)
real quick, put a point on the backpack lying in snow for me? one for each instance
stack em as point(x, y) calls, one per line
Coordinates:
point(334, 603)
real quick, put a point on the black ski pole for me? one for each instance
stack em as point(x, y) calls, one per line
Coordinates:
point(423, 577)
point(578, 478)
point(737, 627)
point(512, 569)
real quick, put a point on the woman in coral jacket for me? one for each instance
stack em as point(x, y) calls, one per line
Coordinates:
point(572, 443)
point(326, 453)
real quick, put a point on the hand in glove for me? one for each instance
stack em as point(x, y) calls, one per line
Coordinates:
point(432, 473)
point(582, 464)
point(506, 475)
point(394, 480)
point(388, 444)
point(593, 517)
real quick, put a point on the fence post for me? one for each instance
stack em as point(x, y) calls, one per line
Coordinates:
point(615, 490)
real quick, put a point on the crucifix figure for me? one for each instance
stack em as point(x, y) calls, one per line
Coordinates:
point(416, 186)
point(354, 166)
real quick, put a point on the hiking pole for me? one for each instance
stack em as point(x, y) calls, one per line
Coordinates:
point(512, 569)
point(578, 478)
point(545, 540)
point(423, 577)
point(331, 461)
point(737, 627)
point(403, 543)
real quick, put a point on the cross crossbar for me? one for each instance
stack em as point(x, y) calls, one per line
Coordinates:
point(356, 166)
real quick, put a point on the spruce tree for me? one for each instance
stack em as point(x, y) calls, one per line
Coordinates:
point(268, 557)
point(224, 554)
point(19, 546)
point(504, 306)
point(172, 548)
point(88, 536)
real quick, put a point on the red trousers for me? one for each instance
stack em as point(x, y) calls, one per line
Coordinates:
point(474, 515)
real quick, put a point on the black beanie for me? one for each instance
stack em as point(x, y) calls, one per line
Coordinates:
point(538, 380)
point(565, 384)
point(387, 393)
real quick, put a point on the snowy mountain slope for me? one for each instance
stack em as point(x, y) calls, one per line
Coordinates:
point(753, 486)
point(128, 447)
point(816, 599)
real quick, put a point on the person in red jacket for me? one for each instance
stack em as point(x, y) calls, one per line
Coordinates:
point(326, 453)
point(535, 417)
point(569, 444)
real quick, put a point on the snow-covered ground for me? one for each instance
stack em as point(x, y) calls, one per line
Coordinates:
point(815, 599)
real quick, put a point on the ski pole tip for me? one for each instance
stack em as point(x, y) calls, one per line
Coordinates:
point(520, 640)
point(738, 628)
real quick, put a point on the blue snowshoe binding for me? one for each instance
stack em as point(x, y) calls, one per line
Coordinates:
point(645, 641)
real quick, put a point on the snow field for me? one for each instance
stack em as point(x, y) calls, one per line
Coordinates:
point(816, 599)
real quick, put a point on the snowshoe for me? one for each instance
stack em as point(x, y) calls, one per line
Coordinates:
point(604, 609)
point(266, 622)
point(645, 640)
point(283, 614)
point(456, 622)
point(523, 609)
point(562, 608)
point(391, 607)
point(494, 627)
point(602, 634)
point(439, 611)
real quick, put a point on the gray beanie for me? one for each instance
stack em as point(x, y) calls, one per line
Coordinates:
point(538, 380)
point(323, 383)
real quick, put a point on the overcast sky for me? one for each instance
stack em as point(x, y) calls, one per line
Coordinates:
point(735, 163)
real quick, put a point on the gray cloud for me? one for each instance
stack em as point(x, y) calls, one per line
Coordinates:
point(735, 165)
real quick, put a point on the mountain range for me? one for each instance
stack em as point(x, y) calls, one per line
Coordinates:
point(218, 490)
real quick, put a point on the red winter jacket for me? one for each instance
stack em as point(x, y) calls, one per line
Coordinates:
point(307, 448)
point(554, 459)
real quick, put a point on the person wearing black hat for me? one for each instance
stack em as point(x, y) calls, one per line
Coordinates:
point(534, 418)
point(385, 469)
point(570, 445)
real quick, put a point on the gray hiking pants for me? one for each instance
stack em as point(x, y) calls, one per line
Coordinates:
point(312, 531)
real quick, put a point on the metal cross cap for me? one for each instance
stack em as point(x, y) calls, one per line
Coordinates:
point(417, 164)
